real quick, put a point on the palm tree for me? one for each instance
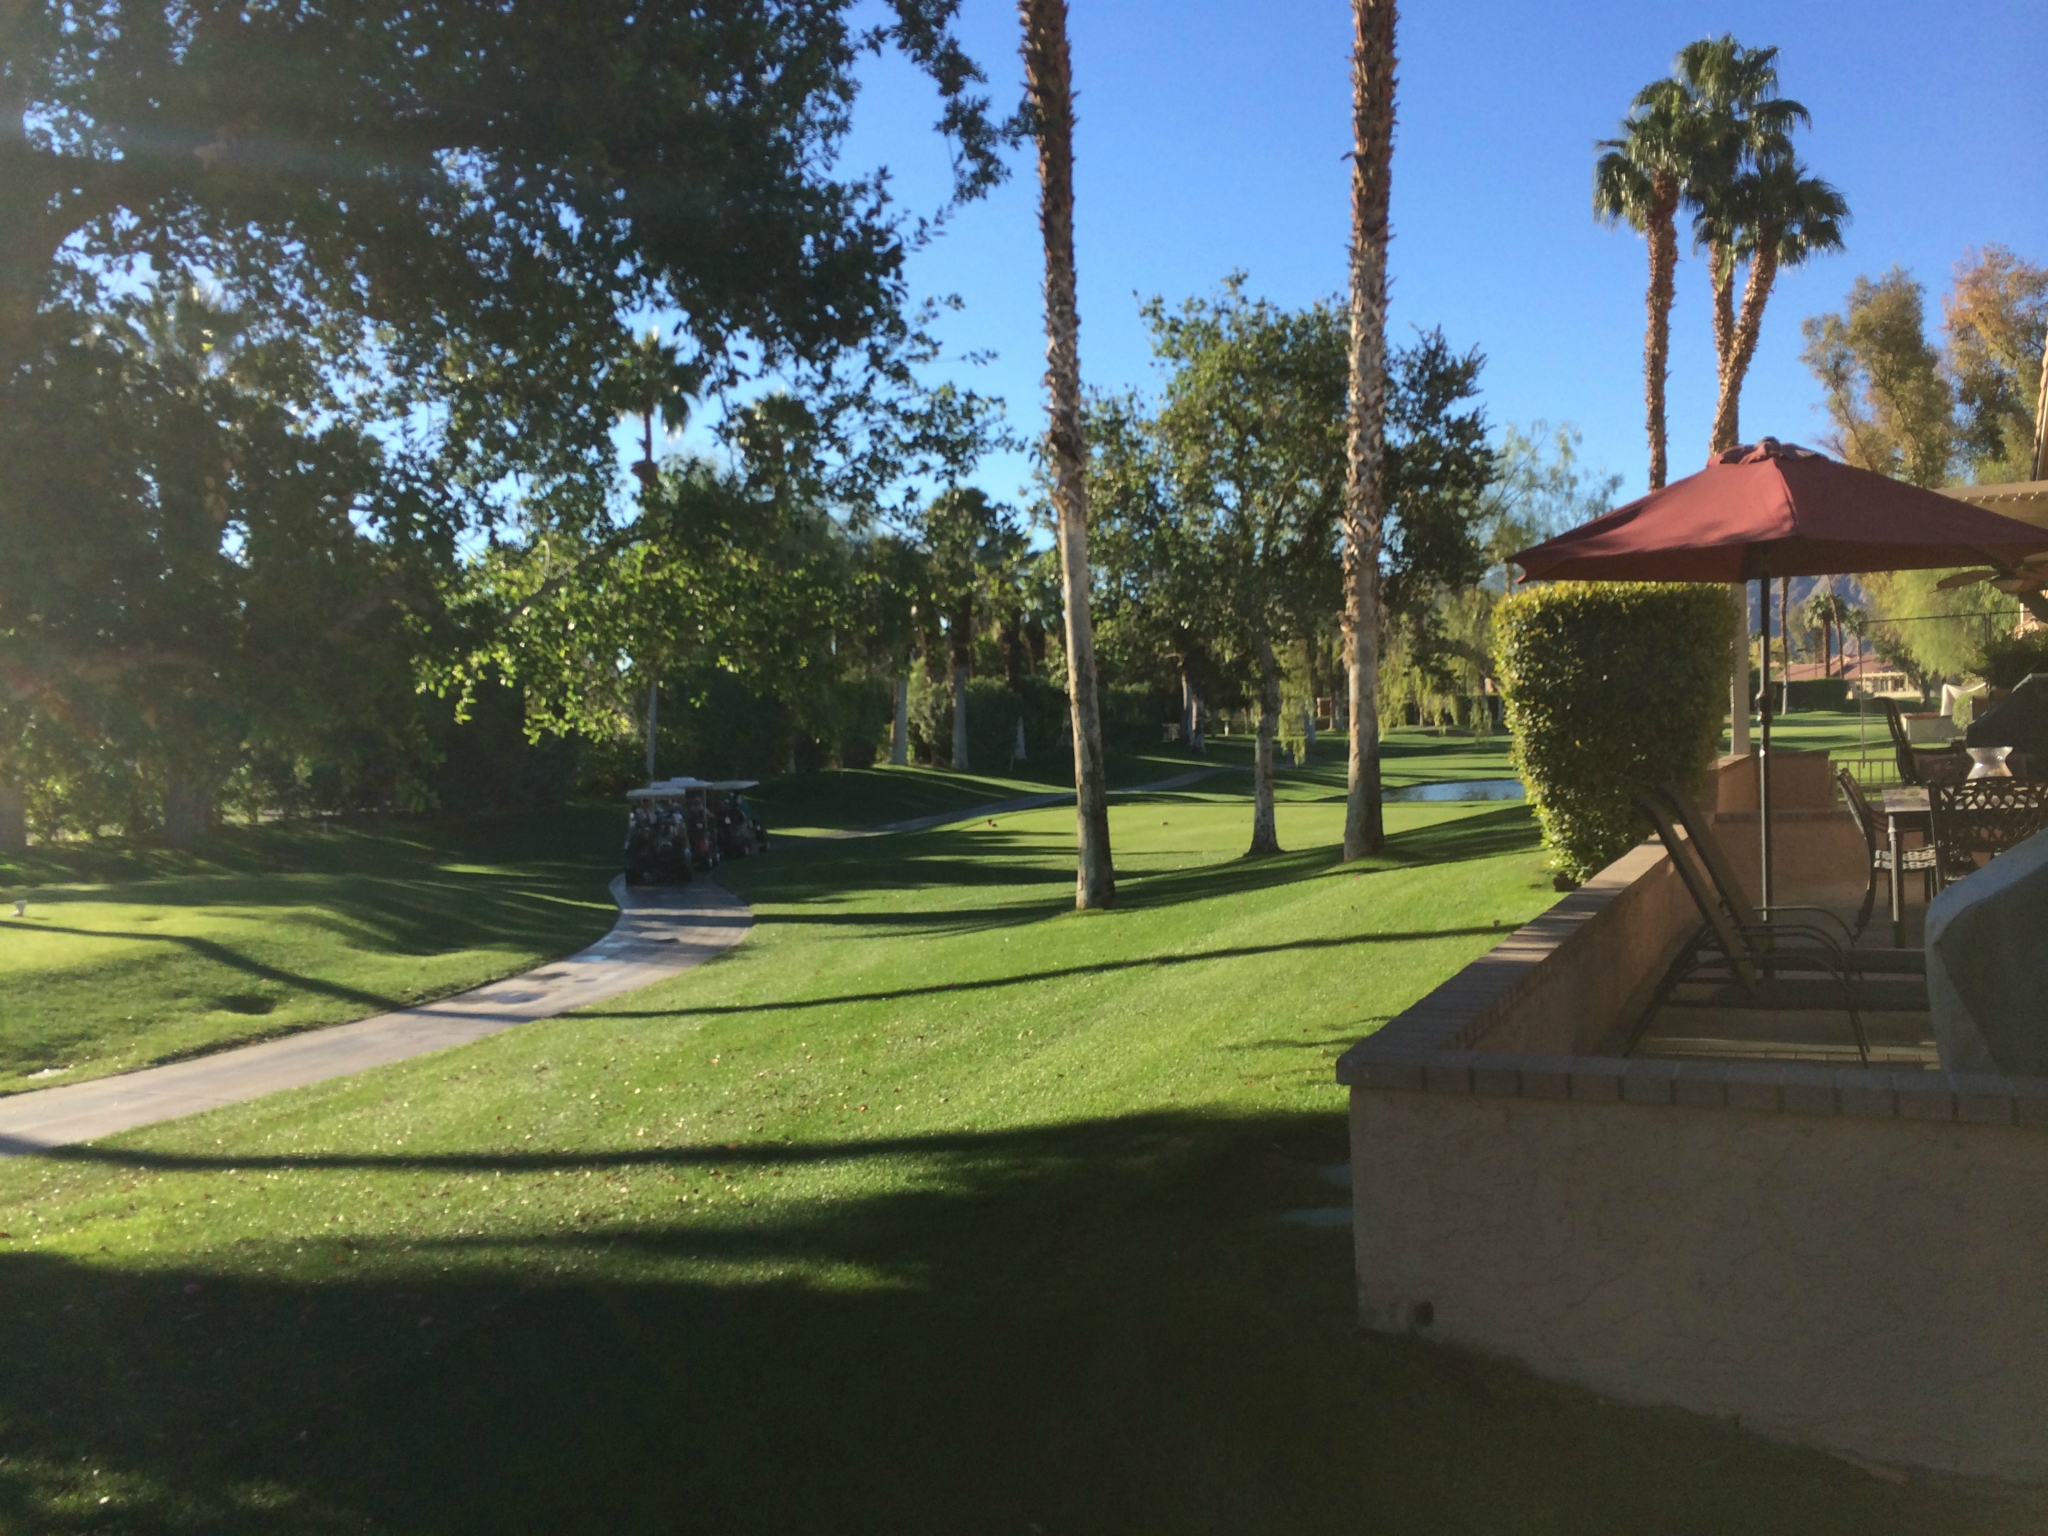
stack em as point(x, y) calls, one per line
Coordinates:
point(1828, 612)
point(651, 383)
point(1048, 83)
point(1372, 157)
point(1751, 199)
point(1784, 217)
point(1638, 181)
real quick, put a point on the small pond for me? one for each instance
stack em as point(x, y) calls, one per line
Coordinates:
point(1459, 789)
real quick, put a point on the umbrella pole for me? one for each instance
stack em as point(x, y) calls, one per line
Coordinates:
point(1763, 751)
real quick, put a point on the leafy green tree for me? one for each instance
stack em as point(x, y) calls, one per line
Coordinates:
point(1538, 488)
point(449, 220)
point(1157, 573)
point(1887, 401)
point(1995, 316)
point(974, 546)
point(1253, 424)
point(228, 576)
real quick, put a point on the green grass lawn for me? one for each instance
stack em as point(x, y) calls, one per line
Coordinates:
point(132, 956)
point(128, 957)
point(1839, 732)
point(836, 800)
point(931, 1207)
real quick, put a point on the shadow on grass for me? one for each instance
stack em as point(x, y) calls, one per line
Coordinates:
point(828, 874)
point(233, 959)
point(1058, 973)
point(1095, 1327)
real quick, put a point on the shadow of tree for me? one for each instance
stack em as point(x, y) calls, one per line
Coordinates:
point(1097, 1326)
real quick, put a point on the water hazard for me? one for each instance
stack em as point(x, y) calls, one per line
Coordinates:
point(1459, 789)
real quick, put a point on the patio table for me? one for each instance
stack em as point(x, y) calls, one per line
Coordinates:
point(1905, 809)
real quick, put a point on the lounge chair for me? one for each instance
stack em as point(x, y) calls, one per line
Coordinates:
point(1784, 917)
point(1775, 967)
point(1879, 847)
point(1922, 765)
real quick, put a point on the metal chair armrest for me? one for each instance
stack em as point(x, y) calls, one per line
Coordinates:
point(1769, 912)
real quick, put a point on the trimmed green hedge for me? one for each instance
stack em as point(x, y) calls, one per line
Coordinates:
point(1610, 687)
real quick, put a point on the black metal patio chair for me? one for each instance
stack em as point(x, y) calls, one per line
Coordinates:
point(1919, 858)
point(1981, 817)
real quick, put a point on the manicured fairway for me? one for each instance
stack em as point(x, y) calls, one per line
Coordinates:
point(931, 1207)
point(127, 958)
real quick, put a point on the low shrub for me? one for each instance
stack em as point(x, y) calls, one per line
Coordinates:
point(1815, 693)
point(1610, 688)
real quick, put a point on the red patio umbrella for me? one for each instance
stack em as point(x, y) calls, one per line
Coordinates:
point(1776, 509)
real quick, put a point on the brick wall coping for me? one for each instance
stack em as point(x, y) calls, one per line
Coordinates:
point(1428, 1048)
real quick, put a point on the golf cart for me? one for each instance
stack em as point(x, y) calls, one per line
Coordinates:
point(739, 830)
point(668, 831)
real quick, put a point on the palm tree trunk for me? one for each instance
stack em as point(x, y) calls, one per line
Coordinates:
point(1756, 293)
point(1265, 836)
point(960, 763)
point(1721, 273)
point(1657, 340)
point(1372, 124)
point(1048, 82)
point(899, 730)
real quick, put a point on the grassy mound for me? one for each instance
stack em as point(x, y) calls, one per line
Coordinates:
point(933, 1206)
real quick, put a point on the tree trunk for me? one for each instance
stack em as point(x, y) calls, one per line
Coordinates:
point(1022, 754)
point(1187, 705)
point(188, 808)
point(960, 763)
point(2041, 423)
point(1048, 81)
point(1657, 339)
point(1265, 836)
point(1721, 275)
point(653, 714)
point(13, 819)
point(899, 731)
point(1372, 123)
point(1735, 361)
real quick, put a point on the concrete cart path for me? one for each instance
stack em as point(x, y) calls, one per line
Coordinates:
point(1005, 807)
point(659, 932)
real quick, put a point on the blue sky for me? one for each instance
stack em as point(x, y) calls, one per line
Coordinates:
point(1212, 136)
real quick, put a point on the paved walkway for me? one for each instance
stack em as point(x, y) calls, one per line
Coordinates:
point(659, 932)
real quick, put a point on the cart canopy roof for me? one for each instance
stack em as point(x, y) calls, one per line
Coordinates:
point(736, 784)
point(668, 789)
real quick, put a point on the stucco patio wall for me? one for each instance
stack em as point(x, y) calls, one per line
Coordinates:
point(1855, 1259)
